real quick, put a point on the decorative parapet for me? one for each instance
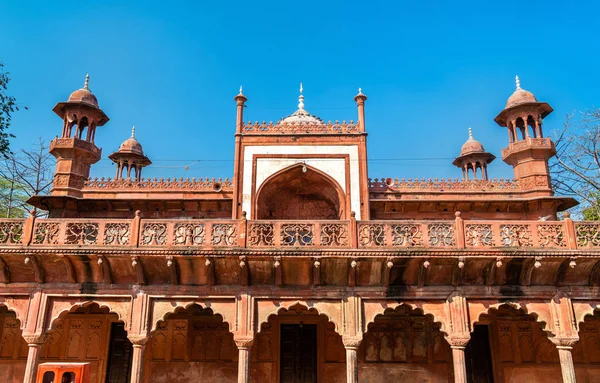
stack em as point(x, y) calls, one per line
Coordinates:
point(435, 184)
point(531, 143)
point(59, 143)
point(163, 184)
point(301, 127)
point(302, 235)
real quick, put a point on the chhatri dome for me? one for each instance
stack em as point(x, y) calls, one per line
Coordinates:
point(131, 145)
point(301, 115)
point(471, 145)
point(520, 96)
point(84, 95)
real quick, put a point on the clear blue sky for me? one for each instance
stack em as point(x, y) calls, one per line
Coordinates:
point(431, 71)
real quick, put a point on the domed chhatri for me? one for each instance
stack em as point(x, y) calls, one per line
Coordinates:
point(520, 95)
point(473, 157)
point(84, 95)
point(131, 145)
point(301, 115)
point(130, 156)
point(471, 145)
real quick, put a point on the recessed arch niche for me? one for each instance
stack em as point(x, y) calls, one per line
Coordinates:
point(300, 192)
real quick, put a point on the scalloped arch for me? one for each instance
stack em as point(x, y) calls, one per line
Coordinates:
point(14, 308)
point(584, 309)
point(320, 307)
point(438, 317)
point(162, 315)
point(113, 308)
point(538, 315)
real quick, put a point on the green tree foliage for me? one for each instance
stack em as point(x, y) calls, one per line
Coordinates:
point(575, 169)
point(7, 107)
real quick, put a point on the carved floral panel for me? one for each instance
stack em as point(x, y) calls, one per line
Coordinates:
point(407, 235)
point(334, 234)
point(479, 235)
point(261, 234)
point(515, 235)
point(11, 232)
point(588, 234)
point(81, 233)
point(297, 234)
point(441, 235)
point(154, 234)
point(189, 234)
point(371, 235)
point(117, 233)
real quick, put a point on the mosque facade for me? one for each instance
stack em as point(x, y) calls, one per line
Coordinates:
point(300, 268)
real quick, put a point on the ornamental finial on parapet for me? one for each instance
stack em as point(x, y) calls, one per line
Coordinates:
point(301, 98)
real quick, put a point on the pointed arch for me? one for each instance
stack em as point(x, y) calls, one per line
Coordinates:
point(300, 191)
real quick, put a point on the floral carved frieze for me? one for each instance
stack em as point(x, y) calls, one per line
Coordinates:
point(300, 127)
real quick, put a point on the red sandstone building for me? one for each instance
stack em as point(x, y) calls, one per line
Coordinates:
point(300, 268)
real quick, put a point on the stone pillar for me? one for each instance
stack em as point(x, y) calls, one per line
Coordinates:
point(351, 345)
point(35, 343)
point(244, 346)
point(458, 359)
point(565, 346)
point(137, 360)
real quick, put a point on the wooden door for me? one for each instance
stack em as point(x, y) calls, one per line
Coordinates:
point(298, 353)
point(119, 359)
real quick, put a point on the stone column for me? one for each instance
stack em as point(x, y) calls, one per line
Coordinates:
point(35, 343)
point(137, 360)
point(351, 344)
point(458, 346)
point(244, 346)
point(565, 346)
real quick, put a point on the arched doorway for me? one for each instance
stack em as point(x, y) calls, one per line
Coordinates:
point(90, 334)
point(190, 345)
point(404, 344)
point(13, 348)
point(300, 192)
point(298, 345)
point(586, 352)
point(519, 347)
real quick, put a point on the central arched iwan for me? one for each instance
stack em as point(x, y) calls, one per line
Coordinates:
point(300, 192)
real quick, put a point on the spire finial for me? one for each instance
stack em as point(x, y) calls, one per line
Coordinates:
point(518, 82)
point(359, 90)
point(470, 133)
point(133, 132)
point(87, 82)
point(301, 98)
point(240, 89)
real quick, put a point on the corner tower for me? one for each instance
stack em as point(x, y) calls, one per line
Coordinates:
point(75, 150)
point(528, 151)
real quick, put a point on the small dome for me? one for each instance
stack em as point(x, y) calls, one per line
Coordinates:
point(471, 146)
point(84, 94)
point(301, 115)
point(520, 96)
point(131, 145)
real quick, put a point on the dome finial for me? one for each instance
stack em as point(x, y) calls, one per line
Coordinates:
point(301, 98)
point(360, 91)
point(518, 82)
point(133, 132)
point(240, 89)
point(470, 134)
point(87, 82)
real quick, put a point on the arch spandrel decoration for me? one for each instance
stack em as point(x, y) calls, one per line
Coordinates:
point(582, 309)
point(373, 308)
point(19, 306)
point(540, 311)
point(267, 308)
point(314, 193)
point(161, 309)
point(60, 307)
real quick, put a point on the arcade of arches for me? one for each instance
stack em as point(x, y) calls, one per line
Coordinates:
point(308, 342)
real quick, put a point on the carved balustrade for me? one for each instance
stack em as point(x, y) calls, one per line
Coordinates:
point(265, 234)
point(441, 184)
point(166, 184)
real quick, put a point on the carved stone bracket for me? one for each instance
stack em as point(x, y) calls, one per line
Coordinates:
point(564, 343)
point(351, 342)
point(244, 342)
point(456, 342)
point(35, 339)
point(138, 340)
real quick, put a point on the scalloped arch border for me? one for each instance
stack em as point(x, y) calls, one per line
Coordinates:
point(121, 316)
point(437, 317)
point(185, 305)
point(309, 305)
point(17, 311)
point(538, 315)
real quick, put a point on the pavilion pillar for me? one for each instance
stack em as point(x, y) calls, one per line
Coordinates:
point(244, 346)
point(458, 359)
point(35, 343)
point(351, 345)
point(565, 348)
point(137, 360)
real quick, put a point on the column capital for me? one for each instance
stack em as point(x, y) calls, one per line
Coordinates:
point(351, 342)
point(35, 339)
point(138, 340)
point(244, 343)
point(458, 342)
point(564, 343)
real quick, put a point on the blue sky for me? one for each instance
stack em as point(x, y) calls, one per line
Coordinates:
point(431, 71)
